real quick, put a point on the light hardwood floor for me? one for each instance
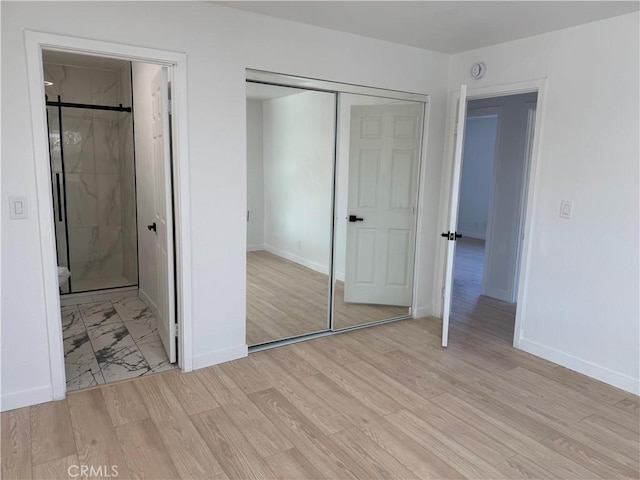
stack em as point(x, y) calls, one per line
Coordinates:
point(285, 299)
point(383, 402)
point(469, 307)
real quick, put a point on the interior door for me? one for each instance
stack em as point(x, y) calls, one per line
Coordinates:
point(163, 212)
point(450, 235)
point(383, 167)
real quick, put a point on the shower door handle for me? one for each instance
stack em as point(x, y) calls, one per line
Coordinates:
point(59, 197)
point(152, 227)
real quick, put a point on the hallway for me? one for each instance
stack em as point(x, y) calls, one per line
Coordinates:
point(470, 309)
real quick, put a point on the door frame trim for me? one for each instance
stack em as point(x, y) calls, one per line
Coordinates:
point(35, 42)
point(306, 83)
point(530, 86)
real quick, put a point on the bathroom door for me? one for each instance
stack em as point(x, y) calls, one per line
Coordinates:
point(453, 212)
point(163, 212)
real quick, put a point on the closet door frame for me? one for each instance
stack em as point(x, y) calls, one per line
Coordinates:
point(337, 88)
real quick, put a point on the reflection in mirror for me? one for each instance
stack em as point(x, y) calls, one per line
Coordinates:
point(376, 200)
point(290, 160)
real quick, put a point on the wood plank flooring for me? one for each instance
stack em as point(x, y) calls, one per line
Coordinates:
point(469, 307)
point(285, 299)
point(383, 402)
point(378, 403)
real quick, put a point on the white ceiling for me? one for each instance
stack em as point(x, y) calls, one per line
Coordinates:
point(442, 26)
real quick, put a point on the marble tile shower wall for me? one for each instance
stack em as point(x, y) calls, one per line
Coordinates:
point(99, 187)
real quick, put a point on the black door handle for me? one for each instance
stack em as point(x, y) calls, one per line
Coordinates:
point(353, 218)
point(451, 235)
point(152, 227)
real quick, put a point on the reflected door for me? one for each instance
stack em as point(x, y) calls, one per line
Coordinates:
point(383, 166)
point(376, 200)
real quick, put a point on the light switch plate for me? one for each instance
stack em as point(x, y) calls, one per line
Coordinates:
point(18, 208)
point(566, 209)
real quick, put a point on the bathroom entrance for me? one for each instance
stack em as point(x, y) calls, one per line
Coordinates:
point(109, 130)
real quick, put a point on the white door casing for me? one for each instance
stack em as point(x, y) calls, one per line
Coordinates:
point(163, 212)
point(453, 212)
point(384, 156)
point(34, 43)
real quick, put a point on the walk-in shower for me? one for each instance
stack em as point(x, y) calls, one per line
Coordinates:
point(93, 175)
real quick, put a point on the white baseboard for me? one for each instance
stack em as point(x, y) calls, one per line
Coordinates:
point(148, 302)
point(340, 276)
point(220, 356)
point(421, 312)
point(498, 294)
point(579, 365)
point(254, 248)
point(33, 396)
point(299, 260)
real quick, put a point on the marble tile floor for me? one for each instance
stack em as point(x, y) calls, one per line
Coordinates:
point(110, 340)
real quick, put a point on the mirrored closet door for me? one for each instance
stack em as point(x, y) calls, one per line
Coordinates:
point(332, 189)
point(290, 160)
point(376, 206)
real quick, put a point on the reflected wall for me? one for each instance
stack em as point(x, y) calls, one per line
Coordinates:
point(290, 161)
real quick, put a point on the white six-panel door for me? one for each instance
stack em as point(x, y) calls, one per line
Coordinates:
point(163, 245)
point(453, 211)
point(383, 167)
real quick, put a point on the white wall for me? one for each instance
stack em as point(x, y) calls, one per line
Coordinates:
point(142, 76)
point(477, 173)
point(582, 302)
point(255, 176)
point(298, 141)
point(220, 44)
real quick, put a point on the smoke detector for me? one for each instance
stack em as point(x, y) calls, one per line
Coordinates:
point(477, 70)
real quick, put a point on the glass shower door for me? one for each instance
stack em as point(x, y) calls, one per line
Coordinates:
point(58, 190)
point(93, 187)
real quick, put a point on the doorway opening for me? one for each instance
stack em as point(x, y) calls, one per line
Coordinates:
point(496, 148)
point(110, 155)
